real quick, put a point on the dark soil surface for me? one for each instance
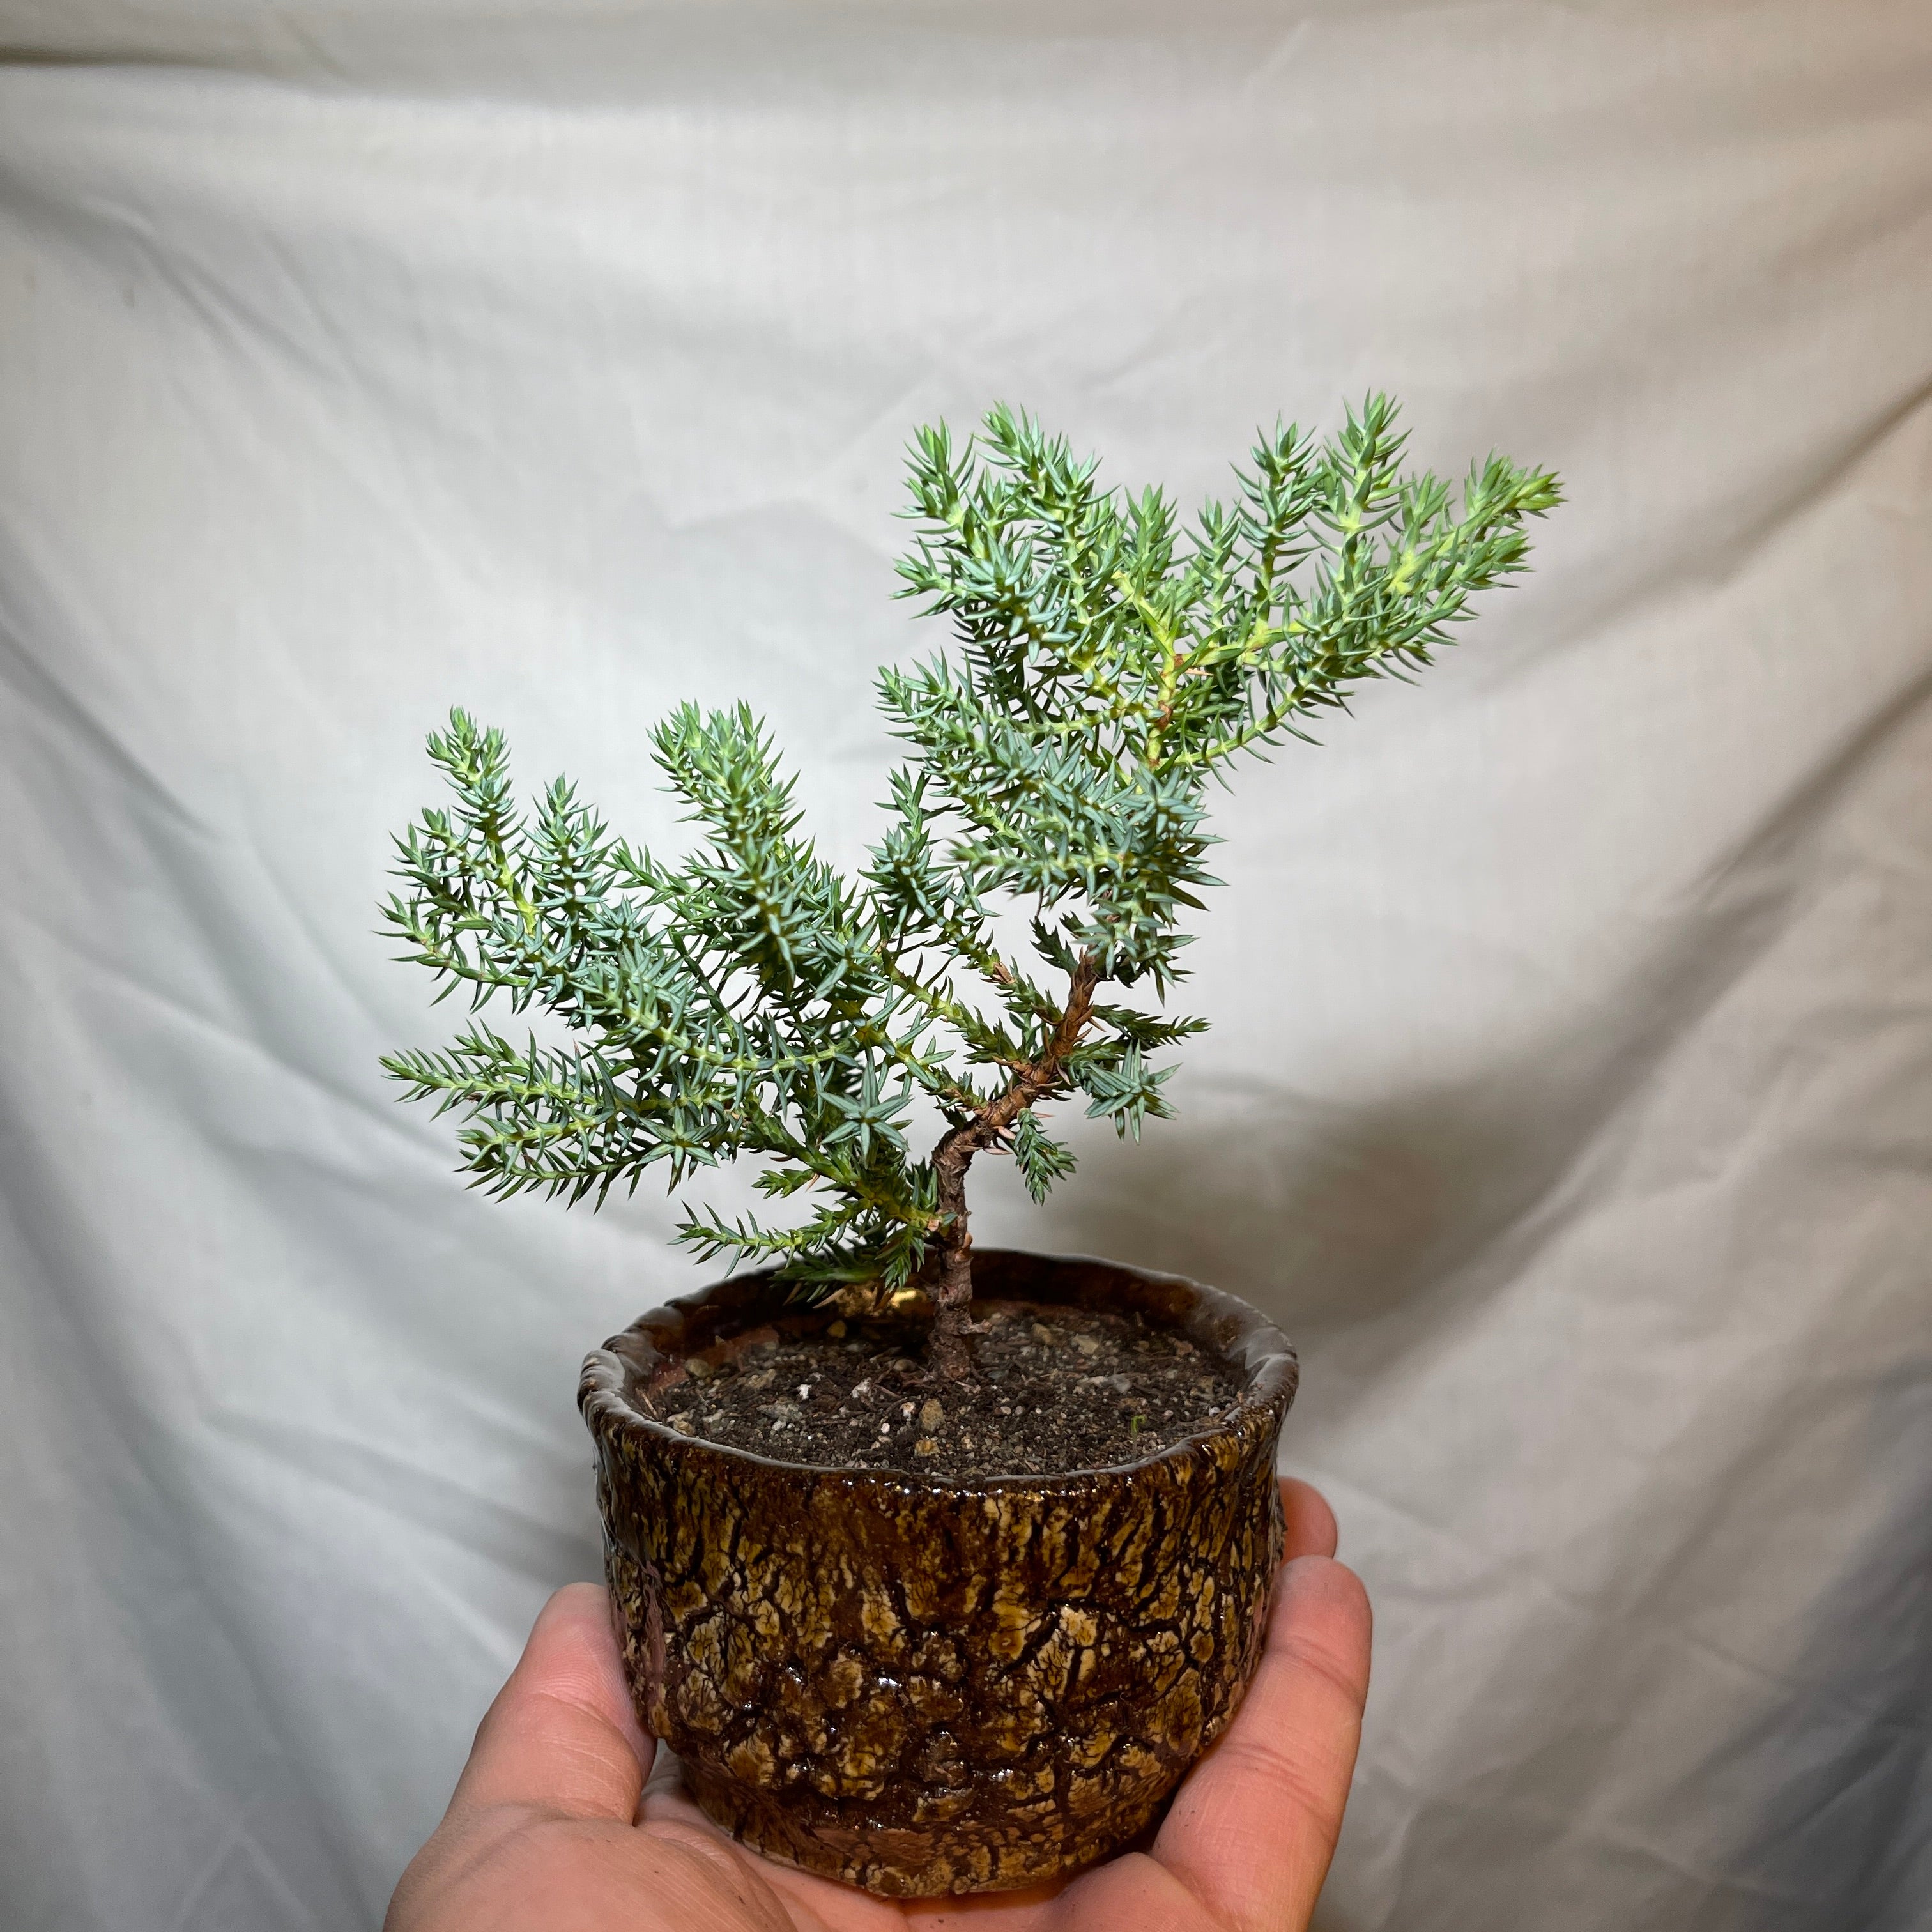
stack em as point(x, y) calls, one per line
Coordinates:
point(1058, 1389)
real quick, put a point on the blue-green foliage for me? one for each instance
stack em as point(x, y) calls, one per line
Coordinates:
point(751, 1000)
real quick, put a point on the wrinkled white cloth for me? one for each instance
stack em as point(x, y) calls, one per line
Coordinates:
point(1570, 1094)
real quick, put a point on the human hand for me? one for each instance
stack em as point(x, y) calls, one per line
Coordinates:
point(558, 1824)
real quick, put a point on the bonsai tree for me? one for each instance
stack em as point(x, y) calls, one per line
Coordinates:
point(1044, 842)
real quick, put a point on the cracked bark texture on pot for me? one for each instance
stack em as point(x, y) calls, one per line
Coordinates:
point(920, 1686)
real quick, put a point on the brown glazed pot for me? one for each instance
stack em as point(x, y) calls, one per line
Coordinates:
point(921, 1686)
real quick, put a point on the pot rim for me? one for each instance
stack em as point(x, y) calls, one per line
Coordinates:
point(1249, 1341)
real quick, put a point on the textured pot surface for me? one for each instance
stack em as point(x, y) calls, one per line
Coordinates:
point(922, 1686)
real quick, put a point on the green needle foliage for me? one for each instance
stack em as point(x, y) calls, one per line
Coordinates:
point(750, 1000)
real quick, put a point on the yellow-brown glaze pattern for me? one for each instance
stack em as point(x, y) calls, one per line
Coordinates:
point(923, 1686)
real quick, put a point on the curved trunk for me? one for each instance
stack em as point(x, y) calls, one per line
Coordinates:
point(951, 1281)
point(951, 1285)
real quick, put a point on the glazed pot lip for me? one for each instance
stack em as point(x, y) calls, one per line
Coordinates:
point(1244, 1338)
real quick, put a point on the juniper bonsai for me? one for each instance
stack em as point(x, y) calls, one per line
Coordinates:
point(749, 999)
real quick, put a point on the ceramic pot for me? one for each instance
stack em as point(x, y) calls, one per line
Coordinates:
point(922, 1686)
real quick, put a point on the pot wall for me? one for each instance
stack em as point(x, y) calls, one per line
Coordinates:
point(923, 1687)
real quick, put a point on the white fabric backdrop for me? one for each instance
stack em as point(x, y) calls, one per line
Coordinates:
point(1571, 1092)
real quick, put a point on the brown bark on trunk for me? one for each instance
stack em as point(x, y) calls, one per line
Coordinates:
point(948, 1351)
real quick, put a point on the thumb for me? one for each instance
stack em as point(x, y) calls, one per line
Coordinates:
point(1252, 1829)
point(561, 1736)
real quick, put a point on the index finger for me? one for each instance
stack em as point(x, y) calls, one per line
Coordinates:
point(1252, 1831)
point(561, 1736)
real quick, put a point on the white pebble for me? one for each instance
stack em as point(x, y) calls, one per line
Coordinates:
point(804, 1390)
